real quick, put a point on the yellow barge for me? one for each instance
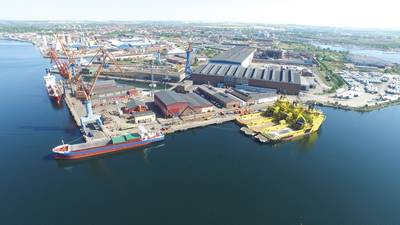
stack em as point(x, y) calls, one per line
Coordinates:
point(283, 121)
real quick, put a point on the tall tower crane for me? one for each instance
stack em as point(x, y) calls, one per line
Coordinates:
point(85, 92)
point(188, 65)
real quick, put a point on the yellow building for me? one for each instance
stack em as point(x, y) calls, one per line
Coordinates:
point(144, 117)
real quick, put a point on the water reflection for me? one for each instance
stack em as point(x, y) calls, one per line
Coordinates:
point(56, 106)
point(98, 162)
point(148, 150)
point(307, 143)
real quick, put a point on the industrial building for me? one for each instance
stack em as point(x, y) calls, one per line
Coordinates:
point(175, 104)
point(135, 106)
point(239, 55)
point(285, 81)
point(252, 98)
point(146, 74)
point(219, 98)
point(111, 94)
point(108, 90)
point(144, 117)
point(270, 54)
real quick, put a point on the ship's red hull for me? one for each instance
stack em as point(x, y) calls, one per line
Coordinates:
point(54, 94)
point(85, 153)
point(56, 99)
point(57, 156)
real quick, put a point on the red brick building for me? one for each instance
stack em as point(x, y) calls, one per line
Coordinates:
point(135, 106)
point(173, 104)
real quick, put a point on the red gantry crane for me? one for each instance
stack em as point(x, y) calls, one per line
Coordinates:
point(71, 59)
point(61, 65)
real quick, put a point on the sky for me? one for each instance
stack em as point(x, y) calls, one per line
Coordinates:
point(383, 14)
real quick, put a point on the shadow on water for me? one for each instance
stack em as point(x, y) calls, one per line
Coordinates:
point(43, 128)
point(56, 106)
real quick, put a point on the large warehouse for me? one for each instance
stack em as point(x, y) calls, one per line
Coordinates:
point(221, 99)
point(175, 104)
point(285, 81)
point(239, 55)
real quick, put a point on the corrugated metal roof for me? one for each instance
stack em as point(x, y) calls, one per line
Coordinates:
point(169, 97)
point(240, 71)
point(200, 68)
point(134, 103)
point(197, 101)
point(235, 55)
point(275, 74)
point(221, 97)
point(215, 69)
point(231, 71)
point(223, 70)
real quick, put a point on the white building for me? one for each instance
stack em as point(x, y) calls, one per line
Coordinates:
point(239, 55)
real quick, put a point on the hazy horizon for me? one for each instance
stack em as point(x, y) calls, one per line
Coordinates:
point(339, 13)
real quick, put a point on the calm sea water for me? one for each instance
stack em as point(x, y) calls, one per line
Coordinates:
point(393, 57)
point(346, 174)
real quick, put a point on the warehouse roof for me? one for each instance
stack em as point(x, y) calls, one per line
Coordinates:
point(247, 96)
point(235, 55)
point(110, 90)
point(221, 97)
point(134, 103)
point(169, 97)
point(196, 101)
point(275, 74)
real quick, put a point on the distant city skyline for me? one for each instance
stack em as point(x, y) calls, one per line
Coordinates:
point(381, 14)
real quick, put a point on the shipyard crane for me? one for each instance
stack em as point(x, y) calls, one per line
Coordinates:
point(106, 55)
point(188, 65)
point(62, 67)
point(87, 92)
point(81, 92)
point(71, 56)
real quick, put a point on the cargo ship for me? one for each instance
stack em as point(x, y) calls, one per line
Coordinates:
point(53, 90)
point(107, 145)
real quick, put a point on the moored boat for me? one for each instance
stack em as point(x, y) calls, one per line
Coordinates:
point(107, 145)
point(53, 90)
point(283, 121)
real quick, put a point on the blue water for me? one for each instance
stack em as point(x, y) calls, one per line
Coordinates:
point(393, 57)
point(346, 174)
